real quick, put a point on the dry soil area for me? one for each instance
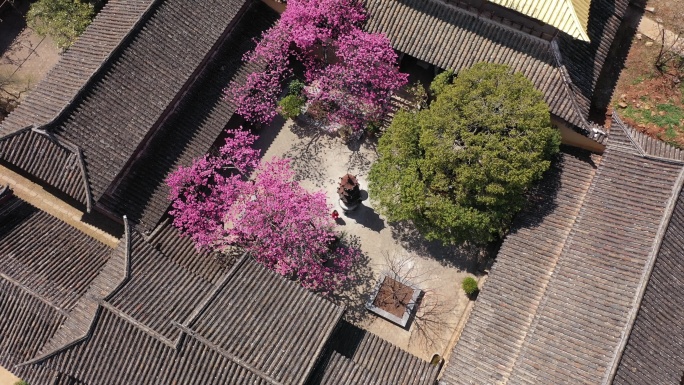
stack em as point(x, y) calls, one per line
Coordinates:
point(646, 97)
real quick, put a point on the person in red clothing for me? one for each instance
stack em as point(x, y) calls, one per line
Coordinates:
point(335, 215)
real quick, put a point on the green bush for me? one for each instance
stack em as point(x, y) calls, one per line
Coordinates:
point(63, 20)
point(295, 87)
point(21, 382)
point(291, 106)
point(469, 285)
point(441, 81)
point(419, 94)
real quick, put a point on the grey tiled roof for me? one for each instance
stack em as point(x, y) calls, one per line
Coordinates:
point(120, 352)
point(52, 162)
point(59, 267)
point(26, 323)
point(190, 132)
point(358, 357)
point(451, 37)
point(49, 275)
point(77, 65)
point(561, 296)
point(250, 327)
point(655, 351)
point(121, 110)
point(139, 79)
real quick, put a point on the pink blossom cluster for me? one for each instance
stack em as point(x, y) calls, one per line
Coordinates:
point(353, 72)
point(282, 225)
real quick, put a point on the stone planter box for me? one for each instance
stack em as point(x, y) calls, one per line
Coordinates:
point(396, 310)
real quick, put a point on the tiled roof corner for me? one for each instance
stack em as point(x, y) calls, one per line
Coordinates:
point(643, 144)
point(57, 163)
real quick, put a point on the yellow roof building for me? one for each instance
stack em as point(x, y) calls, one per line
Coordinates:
point(569, 16)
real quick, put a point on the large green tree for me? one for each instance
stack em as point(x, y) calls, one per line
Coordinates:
point(459, 170)
point(63, 20)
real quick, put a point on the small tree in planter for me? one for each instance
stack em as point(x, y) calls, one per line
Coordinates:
point(349, 192)
point(283, 226)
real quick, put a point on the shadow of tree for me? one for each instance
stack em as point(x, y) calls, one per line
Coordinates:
point(359, 162)
point(462, 257)
point(355, 293)
point(308, 156)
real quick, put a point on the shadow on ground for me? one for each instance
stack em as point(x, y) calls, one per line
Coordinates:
point(12, 22)
point(308, 156)
point(366, 217)
point(464, 257)
point(355, 293)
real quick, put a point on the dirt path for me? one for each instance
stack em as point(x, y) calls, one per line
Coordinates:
point(653, 30)
point(7, 378)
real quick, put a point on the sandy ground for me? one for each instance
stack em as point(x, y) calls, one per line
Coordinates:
point(7, 378)
point(319, 161)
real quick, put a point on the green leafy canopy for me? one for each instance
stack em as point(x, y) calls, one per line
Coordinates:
point(459, 170)
point(63, 20)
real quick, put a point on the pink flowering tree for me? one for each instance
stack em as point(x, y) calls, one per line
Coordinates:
point(350, 74)
point(282, 225)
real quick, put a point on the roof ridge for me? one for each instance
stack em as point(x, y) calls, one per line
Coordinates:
point(34, 294)
point(636, 138)
point(204, 303)
point(228, 355)
point(90, 299)
point(648, 270)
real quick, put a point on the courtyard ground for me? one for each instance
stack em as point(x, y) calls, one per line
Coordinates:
point(25, 57)
point(319, 161)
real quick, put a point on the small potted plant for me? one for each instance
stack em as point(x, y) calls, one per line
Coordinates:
point(349, 192)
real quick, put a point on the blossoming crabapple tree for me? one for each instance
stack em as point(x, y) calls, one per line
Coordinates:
point(285, 227)
point(350, 73)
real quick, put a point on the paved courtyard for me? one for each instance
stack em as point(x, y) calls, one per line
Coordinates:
point(319, 161)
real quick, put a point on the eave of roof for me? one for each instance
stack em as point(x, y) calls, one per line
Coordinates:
point(569, 16)
point(451, 37)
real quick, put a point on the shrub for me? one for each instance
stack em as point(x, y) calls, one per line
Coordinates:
point(469, 285)
point(291, 106)
point(441, 81)
point(295, 87)
point(21, 382)
point(63, 20)
point(419, 94)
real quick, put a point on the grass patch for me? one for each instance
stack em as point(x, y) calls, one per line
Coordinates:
point(663, 115)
